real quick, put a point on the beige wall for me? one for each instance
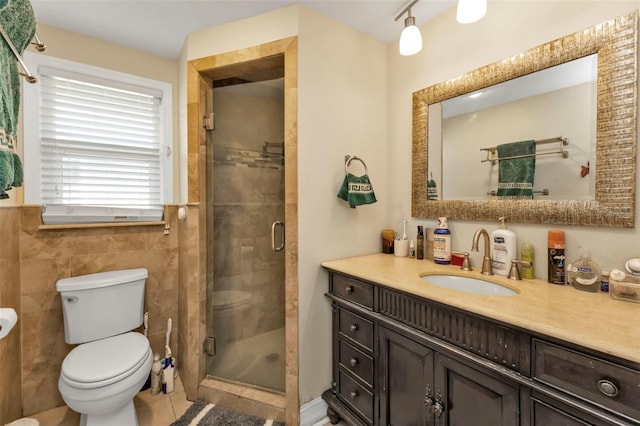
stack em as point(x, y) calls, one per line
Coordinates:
point(452, 49)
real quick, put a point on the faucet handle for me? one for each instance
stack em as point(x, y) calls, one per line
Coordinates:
point(466, 263)
point(514, 272)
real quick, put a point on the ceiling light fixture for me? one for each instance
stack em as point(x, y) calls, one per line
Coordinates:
point(410, 39)
point(471, 11)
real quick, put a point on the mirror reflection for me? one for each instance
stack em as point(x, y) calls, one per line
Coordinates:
point(554, 110)
point(600, 192)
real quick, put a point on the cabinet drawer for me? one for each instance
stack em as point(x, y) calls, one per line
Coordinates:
point(356, 328)
point(353, 290)
point(606, 384)
point(356, 361)
point(355, 395)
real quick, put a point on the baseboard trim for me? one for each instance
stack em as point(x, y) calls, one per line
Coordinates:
point(314, 413)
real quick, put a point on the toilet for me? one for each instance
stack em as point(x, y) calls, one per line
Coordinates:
point(231, 313)
point(100, 377)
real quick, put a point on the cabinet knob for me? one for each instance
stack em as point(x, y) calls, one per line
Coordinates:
point(608, 388)
point(353, 394)
point(353, 328)
point(437, 409)
point(349, 289)
point(428, 398)
point(353, 361)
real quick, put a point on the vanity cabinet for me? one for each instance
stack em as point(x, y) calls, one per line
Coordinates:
point(403, 360)
point(420, 386)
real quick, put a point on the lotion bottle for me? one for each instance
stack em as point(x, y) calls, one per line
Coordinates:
point(442, 243)
point(503, 249)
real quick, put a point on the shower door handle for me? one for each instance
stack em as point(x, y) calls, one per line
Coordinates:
point(275, 225)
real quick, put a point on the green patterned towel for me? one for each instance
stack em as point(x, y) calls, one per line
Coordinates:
point(19, 22)
point(515, 176)
point(356, 190)
point(7, 174)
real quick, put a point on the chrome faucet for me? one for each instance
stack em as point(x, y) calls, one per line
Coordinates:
point(487, 268)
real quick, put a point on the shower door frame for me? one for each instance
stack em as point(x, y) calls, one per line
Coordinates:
point(200, 74)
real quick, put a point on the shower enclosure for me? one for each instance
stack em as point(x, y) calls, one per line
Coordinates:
point(246, 263)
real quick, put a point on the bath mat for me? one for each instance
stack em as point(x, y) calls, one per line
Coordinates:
point(202, 413)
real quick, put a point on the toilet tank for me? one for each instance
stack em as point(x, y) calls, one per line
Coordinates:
point(101, 305)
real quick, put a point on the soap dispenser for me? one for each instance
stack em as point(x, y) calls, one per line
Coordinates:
point(584, 274)
point(503, 248)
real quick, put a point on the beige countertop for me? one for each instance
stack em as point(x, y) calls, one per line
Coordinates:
point(593, 320)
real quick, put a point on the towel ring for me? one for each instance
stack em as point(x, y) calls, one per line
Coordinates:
point(349, 158)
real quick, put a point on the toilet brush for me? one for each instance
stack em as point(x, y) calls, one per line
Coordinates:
point(168, 369)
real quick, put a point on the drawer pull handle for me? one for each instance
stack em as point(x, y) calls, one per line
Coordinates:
point(353, 328)
point(353, 361)
point(353, 394)
point(608, 388)
point(349, 289)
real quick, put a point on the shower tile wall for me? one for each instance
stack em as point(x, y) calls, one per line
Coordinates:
point(248, 197)
point(48, 255)
point(10, 380)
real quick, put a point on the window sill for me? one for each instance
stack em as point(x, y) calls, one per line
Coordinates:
point(99, 225)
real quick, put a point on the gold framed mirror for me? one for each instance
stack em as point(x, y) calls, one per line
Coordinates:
point(615, 43)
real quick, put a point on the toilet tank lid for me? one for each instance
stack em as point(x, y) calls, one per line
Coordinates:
point(101, 279)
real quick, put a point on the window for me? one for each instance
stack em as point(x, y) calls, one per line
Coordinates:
point(97, 143)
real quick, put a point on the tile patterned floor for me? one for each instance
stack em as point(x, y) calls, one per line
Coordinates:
point(153, 410)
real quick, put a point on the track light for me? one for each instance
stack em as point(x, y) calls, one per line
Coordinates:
point(471, 11)
point(410, 39)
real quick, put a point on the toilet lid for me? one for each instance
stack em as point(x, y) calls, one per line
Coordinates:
point(107, 359)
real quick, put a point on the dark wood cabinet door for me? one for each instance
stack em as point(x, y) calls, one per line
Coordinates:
point(406, 370)
point(474, 398)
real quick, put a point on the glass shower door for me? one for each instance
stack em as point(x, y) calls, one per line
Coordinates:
point(246, 274)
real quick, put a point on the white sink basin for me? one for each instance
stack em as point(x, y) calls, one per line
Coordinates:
point(469, 285)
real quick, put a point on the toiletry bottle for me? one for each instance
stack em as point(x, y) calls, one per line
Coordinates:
point(585, 273)
point(555, 244)
point(420, 244)
point(156, 375)
point(604, 282)
point(442, 243)
point(412, 250)
point(503, 249)
point(527, 254)
point(428, 244)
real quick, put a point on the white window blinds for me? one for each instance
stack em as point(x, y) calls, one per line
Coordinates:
point(102, 144)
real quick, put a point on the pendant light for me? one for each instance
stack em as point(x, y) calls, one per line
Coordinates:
point(471, 11)
point(411, 38)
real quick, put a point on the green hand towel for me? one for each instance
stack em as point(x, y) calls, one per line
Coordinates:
point(515, 176)
point(356, 190)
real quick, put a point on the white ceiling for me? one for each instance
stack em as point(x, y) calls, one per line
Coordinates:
point(160, 26)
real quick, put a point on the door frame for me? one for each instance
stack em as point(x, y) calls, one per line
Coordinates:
point(193, 294)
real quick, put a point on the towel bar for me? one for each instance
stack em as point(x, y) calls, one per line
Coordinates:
point(349, 158)
point(41, 47)
point(541, 191)
point(492, 153)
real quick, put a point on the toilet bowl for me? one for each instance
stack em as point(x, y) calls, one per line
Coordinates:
point(100, 377)
point(230, 309)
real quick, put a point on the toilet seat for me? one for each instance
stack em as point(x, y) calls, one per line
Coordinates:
point(106, 361)
point(228, 299)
